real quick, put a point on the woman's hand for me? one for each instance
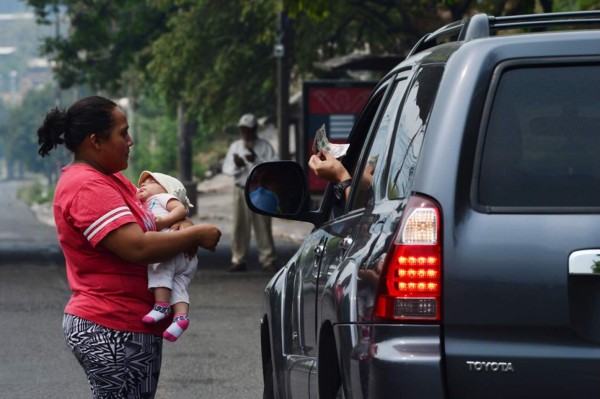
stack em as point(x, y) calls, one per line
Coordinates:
point(210, 236)
point(181, 224)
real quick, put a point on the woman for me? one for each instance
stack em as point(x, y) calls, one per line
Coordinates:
point(108, 239)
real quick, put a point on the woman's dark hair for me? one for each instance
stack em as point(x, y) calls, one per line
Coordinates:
point(88, 115)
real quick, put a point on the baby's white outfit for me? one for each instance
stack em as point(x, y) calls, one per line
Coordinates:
point(175, 273)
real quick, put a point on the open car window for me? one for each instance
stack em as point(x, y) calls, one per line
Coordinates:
point(366, 178)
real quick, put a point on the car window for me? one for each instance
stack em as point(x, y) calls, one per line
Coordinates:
point(540, 147)
point(358, 138)
point(364, 187)
point(409, 135)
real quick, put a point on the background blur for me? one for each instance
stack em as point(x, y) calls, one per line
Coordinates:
point(185, 70)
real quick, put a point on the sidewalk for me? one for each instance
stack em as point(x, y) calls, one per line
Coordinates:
point(214, 206)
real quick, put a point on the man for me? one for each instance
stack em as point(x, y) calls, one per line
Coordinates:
point(241, 157)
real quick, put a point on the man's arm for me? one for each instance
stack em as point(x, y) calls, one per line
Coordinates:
point(229, 166)
point(265, 153)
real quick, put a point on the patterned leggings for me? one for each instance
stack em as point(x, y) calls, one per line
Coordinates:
point(118, 365)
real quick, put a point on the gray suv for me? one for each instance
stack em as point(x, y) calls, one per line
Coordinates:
point(465, 262)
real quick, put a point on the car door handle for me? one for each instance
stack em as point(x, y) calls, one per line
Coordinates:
point(319, 249)
point(345, 243)
point(585, 262)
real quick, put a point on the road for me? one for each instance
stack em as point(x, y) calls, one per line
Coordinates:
point(217, 357)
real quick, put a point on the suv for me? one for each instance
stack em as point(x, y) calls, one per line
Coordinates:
point(467, 265)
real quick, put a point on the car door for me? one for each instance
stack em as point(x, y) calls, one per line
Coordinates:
point(370, 140)
point(325, 245)
point(521, 292)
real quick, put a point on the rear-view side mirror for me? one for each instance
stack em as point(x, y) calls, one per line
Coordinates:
point(277, 189)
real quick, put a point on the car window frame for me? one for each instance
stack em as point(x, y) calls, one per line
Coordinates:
point(355, 154)
point(496, 77)
point(402, 77)
point(388, 166)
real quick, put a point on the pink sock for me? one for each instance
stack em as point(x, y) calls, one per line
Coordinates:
point(180, 323)
point(158, 312)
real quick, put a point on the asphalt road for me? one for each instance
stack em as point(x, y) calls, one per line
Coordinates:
point(217, 357)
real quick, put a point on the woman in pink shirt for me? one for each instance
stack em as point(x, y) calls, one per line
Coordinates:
point(108, 239)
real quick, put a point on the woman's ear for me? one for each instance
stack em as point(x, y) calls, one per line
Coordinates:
point(94, 140)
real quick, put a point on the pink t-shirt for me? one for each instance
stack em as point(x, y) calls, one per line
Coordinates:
point(107, 290)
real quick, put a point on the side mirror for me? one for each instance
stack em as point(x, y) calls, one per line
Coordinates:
point(279, 189)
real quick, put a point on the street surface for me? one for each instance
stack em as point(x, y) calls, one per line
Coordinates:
point(217, 357)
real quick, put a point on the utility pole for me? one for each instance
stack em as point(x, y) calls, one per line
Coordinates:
point(282, 53)
point(185, 131)
point(56, 9)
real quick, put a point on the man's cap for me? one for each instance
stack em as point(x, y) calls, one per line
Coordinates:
point(248, 120)
point(170, 184)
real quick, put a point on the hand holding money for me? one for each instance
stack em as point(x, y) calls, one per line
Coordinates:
point(321, 143)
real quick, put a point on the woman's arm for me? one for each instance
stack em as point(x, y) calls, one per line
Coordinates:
point(131, 243)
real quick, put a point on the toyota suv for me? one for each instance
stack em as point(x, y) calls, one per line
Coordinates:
point(468, 265)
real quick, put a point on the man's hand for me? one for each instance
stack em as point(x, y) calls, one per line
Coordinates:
point(252, 156)
point(326, 166)
point(239, 161)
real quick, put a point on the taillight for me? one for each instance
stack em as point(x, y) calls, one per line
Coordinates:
point(410, 288)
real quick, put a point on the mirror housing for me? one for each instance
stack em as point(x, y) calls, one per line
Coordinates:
point(279, 189)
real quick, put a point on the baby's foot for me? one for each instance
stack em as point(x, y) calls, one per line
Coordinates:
point(159, 312)
point(180, 323)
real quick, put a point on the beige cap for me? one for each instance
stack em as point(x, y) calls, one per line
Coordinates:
point(248, 120)
point(170, 184)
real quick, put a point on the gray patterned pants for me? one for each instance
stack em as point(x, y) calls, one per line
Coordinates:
point(118, 365)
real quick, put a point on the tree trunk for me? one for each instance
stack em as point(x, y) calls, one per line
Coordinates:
point(186, 129)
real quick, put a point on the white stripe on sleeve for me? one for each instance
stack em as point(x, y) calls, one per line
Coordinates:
point(105, 219)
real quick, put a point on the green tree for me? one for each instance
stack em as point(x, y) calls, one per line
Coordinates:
point(106, 41)
point(19, 140)
point(214, 58)
point(217, 59)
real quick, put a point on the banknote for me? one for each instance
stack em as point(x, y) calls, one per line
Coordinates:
point(321, 142)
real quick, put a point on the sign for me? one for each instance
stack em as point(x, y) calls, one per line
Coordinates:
point(335, 104)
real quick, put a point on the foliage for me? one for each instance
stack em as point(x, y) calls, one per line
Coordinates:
point(216, 57)
point(18, 132)
point(155, 139)
point(107, 39)
point(572, 5)
point(36, 193)
point(596, 265)
point(221, 68)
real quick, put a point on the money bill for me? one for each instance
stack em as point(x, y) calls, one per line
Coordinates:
point(322, 143)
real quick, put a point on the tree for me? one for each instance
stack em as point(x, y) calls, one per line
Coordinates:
point(106, 40)
point(214, 60)
point(217, 59)
point(19, 140)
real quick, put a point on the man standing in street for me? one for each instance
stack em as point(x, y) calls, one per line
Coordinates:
point(241, 157)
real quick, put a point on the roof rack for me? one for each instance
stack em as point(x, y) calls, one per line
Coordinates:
point(483, 25)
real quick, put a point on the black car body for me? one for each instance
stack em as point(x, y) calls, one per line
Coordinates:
point(467, 268)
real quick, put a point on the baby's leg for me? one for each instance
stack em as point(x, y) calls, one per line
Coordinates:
point(160, 279)
point(181, 306)
point(162, 307)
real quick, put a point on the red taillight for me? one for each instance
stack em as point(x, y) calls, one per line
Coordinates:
point(411, 285)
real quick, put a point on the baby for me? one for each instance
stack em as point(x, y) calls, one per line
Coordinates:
point(166, 198)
